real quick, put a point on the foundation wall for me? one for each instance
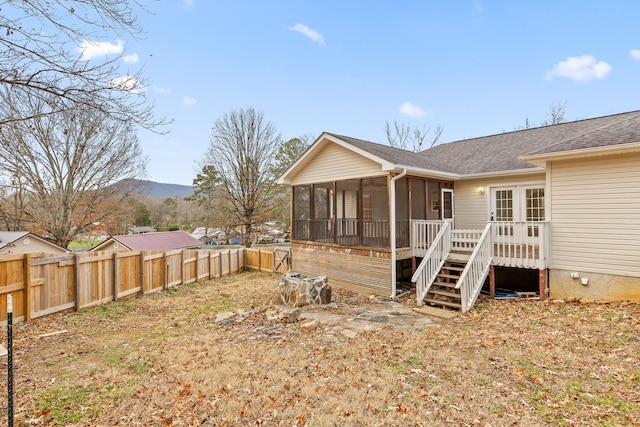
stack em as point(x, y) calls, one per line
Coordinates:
point(600, 287)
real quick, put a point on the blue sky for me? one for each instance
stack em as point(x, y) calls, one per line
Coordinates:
point(473, 67)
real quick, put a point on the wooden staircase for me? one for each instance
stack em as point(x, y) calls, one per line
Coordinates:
point(443, 292)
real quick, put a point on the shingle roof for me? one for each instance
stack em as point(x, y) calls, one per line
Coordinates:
point(501, 152)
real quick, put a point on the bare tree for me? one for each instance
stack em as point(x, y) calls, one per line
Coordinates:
point(555, 115)
point(242, 148)
point(42, 55)
point(68, 169)
point(404, 137)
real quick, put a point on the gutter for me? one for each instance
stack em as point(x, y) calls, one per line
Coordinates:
point(392, 234)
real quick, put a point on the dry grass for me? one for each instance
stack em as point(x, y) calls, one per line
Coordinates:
point(163, 360)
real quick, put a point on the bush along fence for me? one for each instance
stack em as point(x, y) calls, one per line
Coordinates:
point(43, 285)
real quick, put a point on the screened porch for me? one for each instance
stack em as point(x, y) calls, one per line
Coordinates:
point(355, 213)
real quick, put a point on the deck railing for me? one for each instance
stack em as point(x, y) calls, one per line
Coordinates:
point(522, 244)
point(432, 262)
point(423, 233)
point(476, 271)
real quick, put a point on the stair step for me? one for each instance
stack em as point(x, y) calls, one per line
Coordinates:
point(452, 268)
point(443, 303)
point(443, 284)
point(459, 257)
point(444, 293)
point(448, 276)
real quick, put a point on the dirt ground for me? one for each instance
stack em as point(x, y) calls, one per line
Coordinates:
point(217, 354)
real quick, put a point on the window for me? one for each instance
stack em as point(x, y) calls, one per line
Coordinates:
point(535, 204)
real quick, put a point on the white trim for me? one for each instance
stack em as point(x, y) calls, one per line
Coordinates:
point(392, 231)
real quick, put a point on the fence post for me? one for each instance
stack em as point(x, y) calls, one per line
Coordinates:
point(165, 270)
point(210, 252)
point(197, 264)
point(116, 270)
point(142, 271)
point(27, 287)
point(183, 270)
point(76, 280)
point(259, 259)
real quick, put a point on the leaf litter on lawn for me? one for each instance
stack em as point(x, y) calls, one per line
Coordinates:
point(168, 359)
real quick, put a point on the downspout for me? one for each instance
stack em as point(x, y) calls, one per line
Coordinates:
point(392, 236)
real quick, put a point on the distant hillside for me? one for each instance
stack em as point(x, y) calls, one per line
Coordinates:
point(158, 189)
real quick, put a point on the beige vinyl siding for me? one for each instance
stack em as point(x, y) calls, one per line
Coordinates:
point(472, 208)
point(595, 218)
point(335, 163)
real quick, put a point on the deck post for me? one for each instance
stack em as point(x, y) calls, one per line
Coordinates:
point(542, 282)
point(492, 282)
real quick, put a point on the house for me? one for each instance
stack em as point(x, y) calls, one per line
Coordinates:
point(559, 204)
point(149, 242)
point(209, 235)
point(20, 242)
point(143, 229)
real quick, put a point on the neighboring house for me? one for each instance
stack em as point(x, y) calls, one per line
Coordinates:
point(208, 235)
point(140, 230)
point(558, 203)
point(20, 242)
point(149, 242)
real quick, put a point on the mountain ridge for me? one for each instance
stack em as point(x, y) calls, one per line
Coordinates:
point(164, 190)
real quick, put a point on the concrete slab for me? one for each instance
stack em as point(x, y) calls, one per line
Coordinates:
point(438, 312)
point(3, 351)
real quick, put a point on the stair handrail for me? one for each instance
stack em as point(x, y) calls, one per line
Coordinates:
point(432, 262)
point(476, 271)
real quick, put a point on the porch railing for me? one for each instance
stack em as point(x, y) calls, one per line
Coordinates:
point(521, 244)
point(423, 233)
point(432, 262)
point(476, 271)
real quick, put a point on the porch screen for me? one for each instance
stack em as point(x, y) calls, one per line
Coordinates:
point(402, 213)
point(322, 210)
point(301, 212)
point(375, 213)
point(347, 195)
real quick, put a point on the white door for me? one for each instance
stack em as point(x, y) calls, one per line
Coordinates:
point(447, 205)
point(504, 208)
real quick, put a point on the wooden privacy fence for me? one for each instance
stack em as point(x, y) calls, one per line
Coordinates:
point(275, 259)
point(42, 285)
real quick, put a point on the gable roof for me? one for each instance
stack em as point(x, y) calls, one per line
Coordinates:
point(10, 237)
point(508, 152)
point(153, 241)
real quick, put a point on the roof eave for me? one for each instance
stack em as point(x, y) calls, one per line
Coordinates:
point(541, 159)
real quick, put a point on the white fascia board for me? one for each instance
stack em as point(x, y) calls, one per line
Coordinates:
point(541, 159)
point(427, 173)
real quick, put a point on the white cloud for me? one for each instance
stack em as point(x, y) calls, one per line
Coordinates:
point(127, 84)
point(92, 50)
point(162, 90)
point(189, 101)
point(131, 59)
point(408, 109)
point(308, 32)
point(635, 54)
point(580, 69)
